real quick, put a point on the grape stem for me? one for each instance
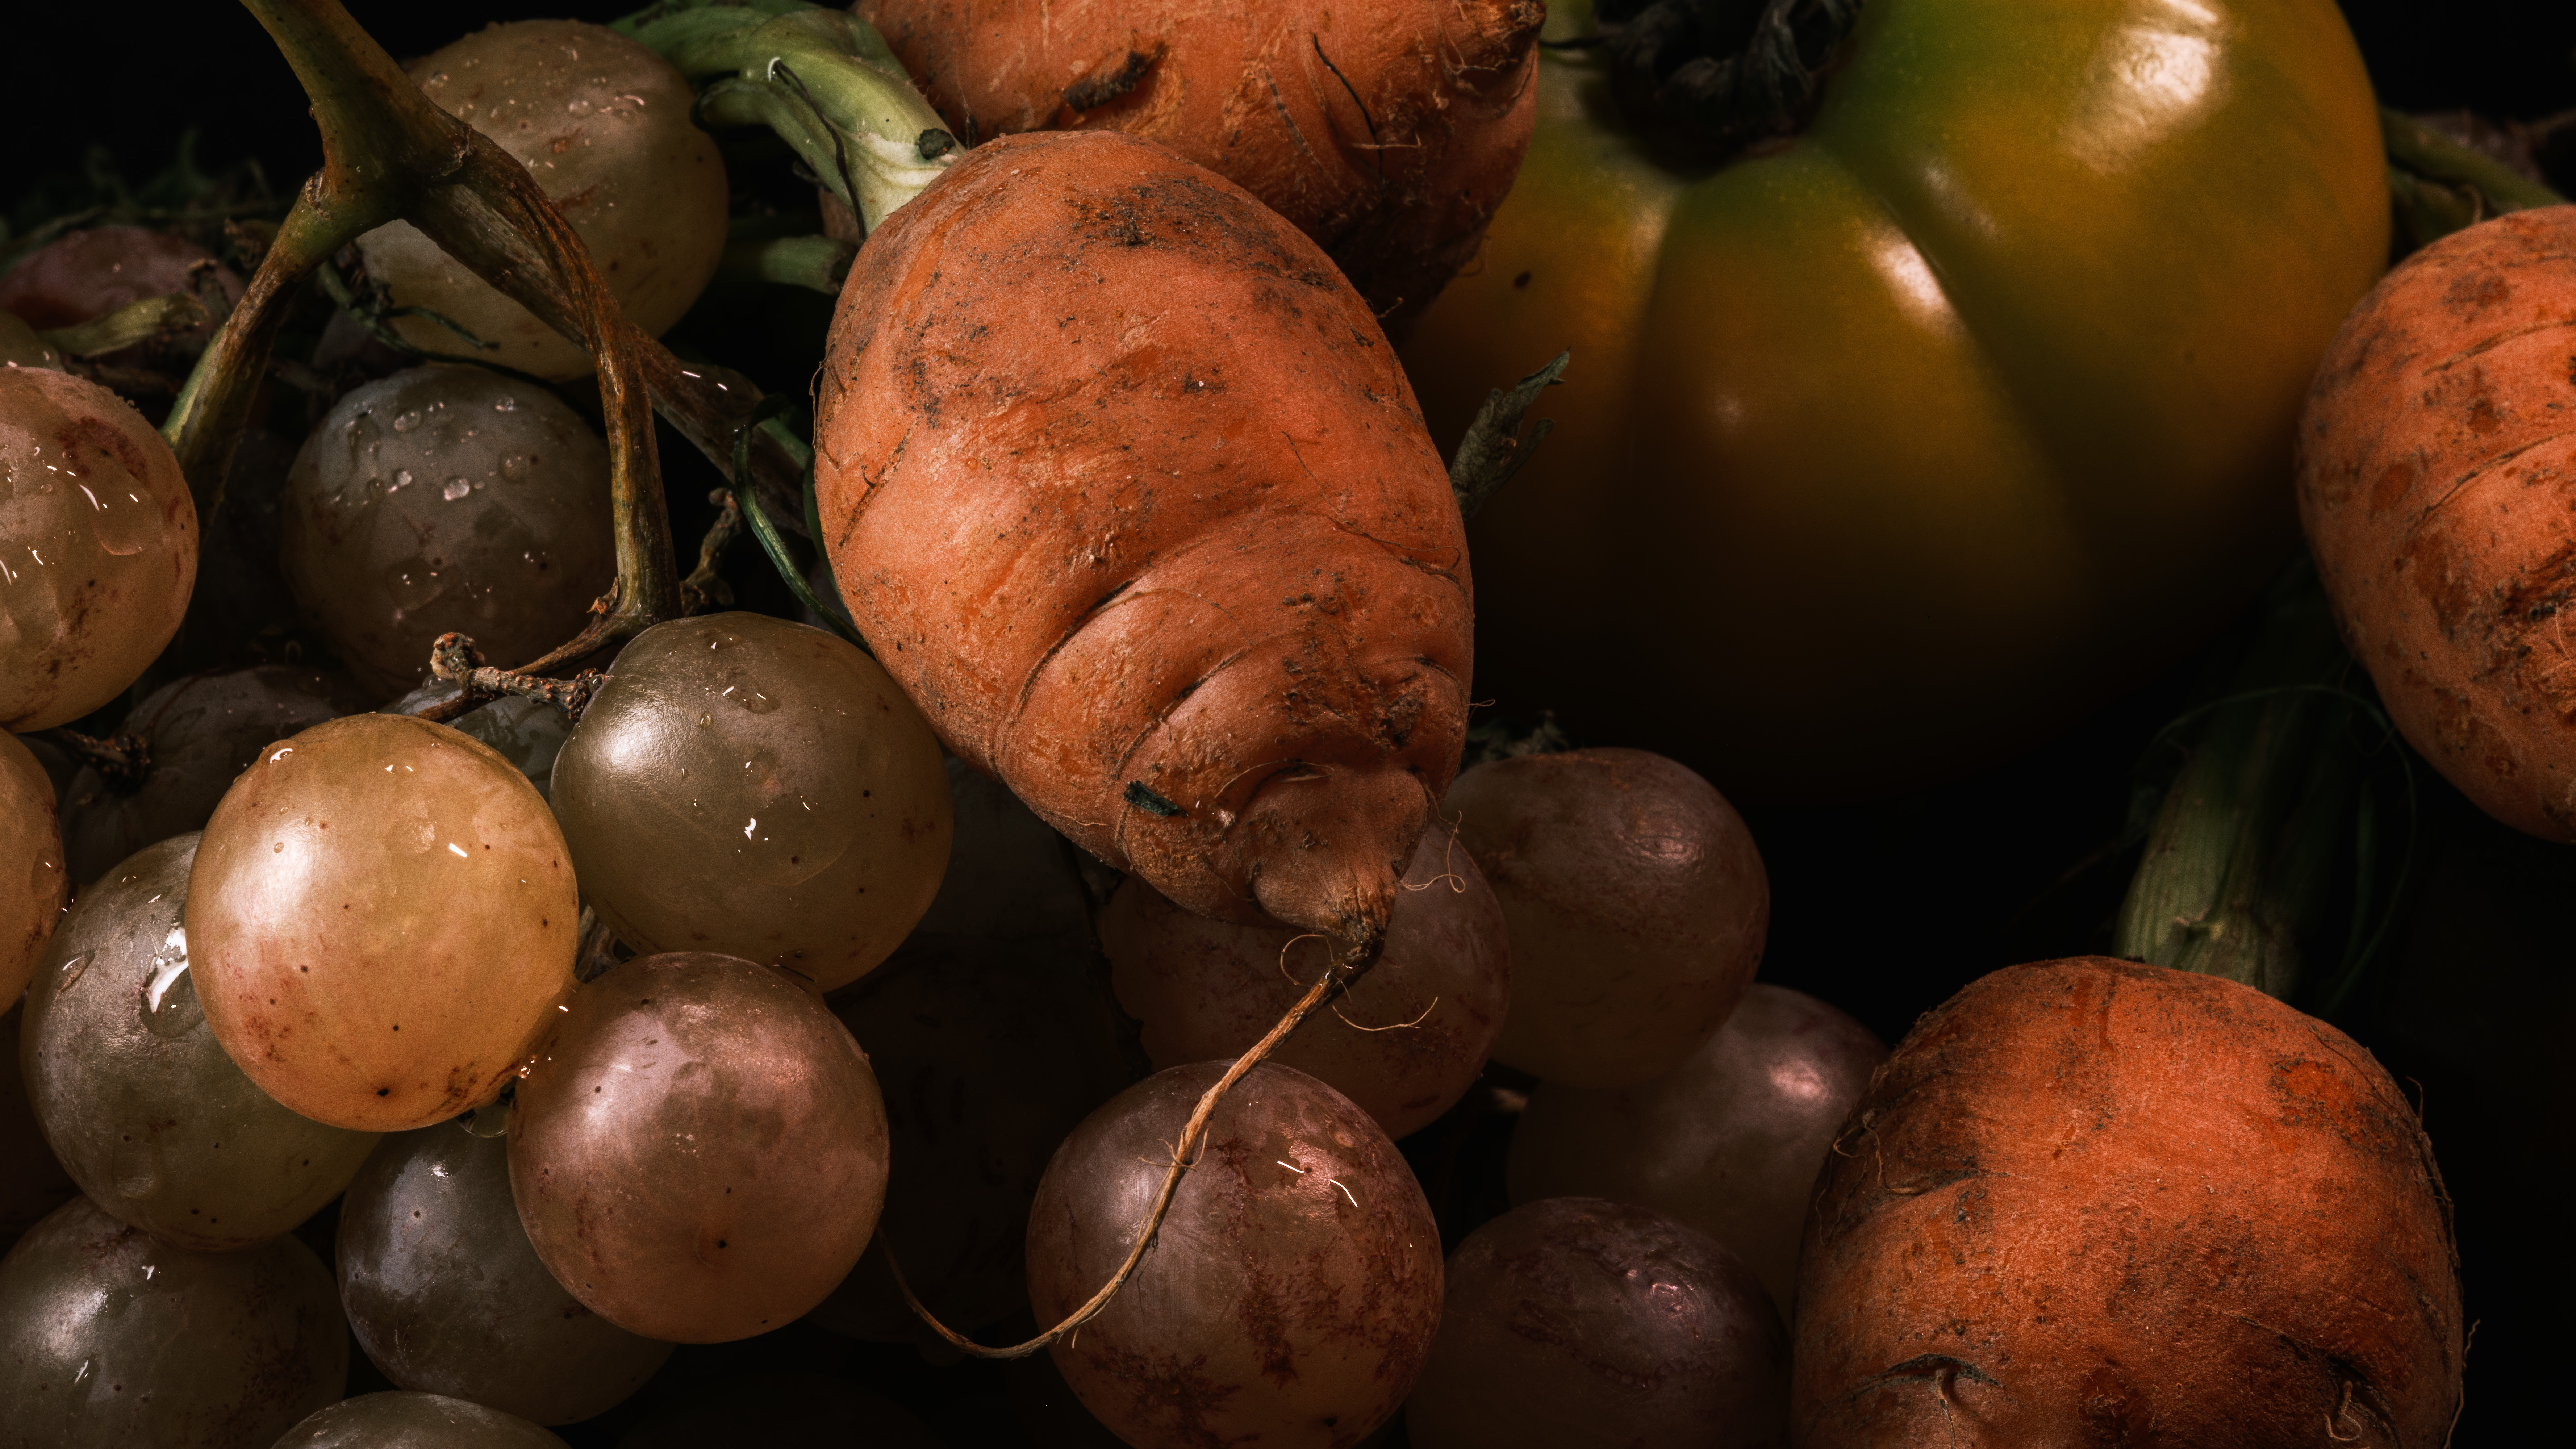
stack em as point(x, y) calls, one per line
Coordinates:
point(705, 589)
point(390, 154)
point(1335, 981)
point(454, 657)
point(122, 760)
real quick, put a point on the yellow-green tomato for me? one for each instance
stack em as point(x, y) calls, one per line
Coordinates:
point(1891, 445)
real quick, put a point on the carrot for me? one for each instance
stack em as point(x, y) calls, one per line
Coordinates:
point(2098, 1202)
point(2437, 474)
point(1126, 488)
point(1388, 132)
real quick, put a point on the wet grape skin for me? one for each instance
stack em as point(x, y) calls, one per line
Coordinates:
point(200, 733)
point(383, 922)
point(1579, 1321)
point(112, 1339)
point(757, 788)
point(603, 126)
point(98, 546)
point(1406, 1041)
point(699, 1152)
point(139, 1099)
point(1637, 906)
point(33, 882)
point(414, 1421)
point(447, 1296)
point(446, 499)
point(1728, 1143)
point(1292, 1292)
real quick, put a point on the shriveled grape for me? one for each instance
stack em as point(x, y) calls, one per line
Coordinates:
point(202, 731)
point(98, 546)
point(383, 919)
point(1575, 1322)
point(414, 1421)
point(446, 498)
point(699, 1153)
point(1404, 1044)
point(114, 1339)
point(1728, 1143)
point(33, 883)
point(447, 1296)
point(138, 1098)
point(32, 1180)
point(1292, 1292)
point(1637, 906)
point(603, 125)
point(756, 788)
point(989, 1052)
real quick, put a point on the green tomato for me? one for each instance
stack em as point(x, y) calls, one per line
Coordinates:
point(1892, 445)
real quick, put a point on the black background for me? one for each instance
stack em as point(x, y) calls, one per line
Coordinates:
point(1883, 908)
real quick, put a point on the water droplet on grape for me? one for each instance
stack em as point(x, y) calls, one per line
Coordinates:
point(456, 488)
point(402, 477)
point(578, 105)
point(755, 701)
point(705, 719)
point(72, 970)
point(506, 405)
point(406, 420)
point(413, 584)
point(515, 466)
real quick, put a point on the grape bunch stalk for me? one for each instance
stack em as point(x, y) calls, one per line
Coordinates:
point(625, 981)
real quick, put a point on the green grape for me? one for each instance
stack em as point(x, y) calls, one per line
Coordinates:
point(1406, 1042)
point(414, 1421)
point(141, 1104)
point(446, 498)
point(32, 1180)
point(603, 124)
point(203, 731)
point(699, 1153)
point(1637, 906)
point(1294, 1287)
point(1578, 1321)
point(759, 789)
point(1728, 1143)
point(33, 882)
point(98, 546)
point(111, 1338)
point(383, 921)
point(447, 1296)
point(21, 347)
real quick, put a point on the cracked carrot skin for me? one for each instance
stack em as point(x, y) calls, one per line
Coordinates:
point(1122, 481)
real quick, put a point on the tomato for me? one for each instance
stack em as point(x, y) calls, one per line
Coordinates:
point(1893, 445)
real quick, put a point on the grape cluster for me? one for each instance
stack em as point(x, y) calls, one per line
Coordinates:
point(519, 1047)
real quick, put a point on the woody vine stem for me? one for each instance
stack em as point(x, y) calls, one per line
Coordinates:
point(390, 154)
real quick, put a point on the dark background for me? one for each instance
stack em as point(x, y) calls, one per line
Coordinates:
point(1886, 908)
